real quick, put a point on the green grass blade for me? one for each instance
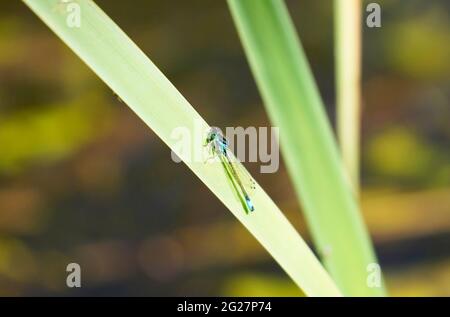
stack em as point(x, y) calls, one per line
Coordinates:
point(292, 100)
point(347, 27)
point(108, 51)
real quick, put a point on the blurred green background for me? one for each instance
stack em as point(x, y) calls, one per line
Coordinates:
point(83, 180)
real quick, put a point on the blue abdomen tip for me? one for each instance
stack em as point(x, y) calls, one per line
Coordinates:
point(249, 204)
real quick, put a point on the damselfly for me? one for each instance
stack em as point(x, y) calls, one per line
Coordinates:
point(218, 146)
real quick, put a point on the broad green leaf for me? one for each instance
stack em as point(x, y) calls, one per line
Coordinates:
point(110, 53)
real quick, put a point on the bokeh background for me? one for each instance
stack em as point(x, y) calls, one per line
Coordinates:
point(83, 180)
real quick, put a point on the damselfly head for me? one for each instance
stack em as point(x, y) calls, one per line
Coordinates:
point(213, 134)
